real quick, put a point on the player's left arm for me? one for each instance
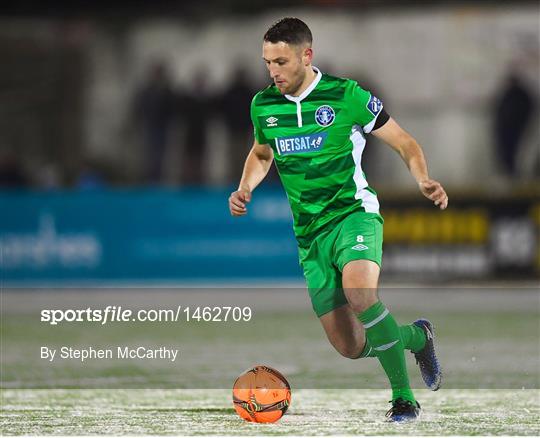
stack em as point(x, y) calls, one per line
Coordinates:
point(411, 152)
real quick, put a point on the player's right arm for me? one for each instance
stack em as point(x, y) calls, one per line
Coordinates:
point(257, 165)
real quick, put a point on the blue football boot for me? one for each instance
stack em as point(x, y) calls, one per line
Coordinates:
point(427, 359)
point(403, 410)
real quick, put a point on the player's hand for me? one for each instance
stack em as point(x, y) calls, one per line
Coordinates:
point(238, 201)
point(433, 190)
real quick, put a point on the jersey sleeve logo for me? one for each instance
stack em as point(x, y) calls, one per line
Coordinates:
point(374, 105)
point(325, 115)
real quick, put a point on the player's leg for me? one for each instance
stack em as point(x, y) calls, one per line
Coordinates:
point(324, 281)
point(360, 279)
point(358, 253)
point(343, 329)
point(383, 334)
point(360, 238)
point(345, 332)
point(367, 273)
point(417, 337)
point(340, 323)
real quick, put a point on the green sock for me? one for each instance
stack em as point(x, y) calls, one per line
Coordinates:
point(384, 337)
point(367, 351)
point(413, 337)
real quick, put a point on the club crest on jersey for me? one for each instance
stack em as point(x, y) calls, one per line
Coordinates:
point(325, 115)
point(374, 105)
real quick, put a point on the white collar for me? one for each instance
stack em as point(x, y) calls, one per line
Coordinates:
point(308, 90)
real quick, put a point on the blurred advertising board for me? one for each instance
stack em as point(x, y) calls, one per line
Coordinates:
point(147, 235)
point(475, 238)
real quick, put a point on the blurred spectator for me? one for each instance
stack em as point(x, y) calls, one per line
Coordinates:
point(11, 173)
point(48, 176)
point(513, 110)
point(234, 107)
point(195, 110)
point(154, 111)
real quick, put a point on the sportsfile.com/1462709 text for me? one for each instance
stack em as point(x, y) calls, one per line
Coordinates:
point(120, 314)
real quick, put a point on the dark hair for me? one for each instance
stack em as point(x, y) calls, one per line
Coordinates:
point(289, 30)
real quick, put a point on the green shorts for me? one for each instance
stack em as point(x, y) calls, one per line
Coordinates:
point(358, 236)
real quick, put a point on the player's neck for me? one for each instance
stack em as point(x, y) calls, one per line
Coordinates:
point(310, 77)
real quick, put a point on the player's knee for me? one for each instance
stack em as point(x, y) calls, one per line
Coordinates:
point(361, 299)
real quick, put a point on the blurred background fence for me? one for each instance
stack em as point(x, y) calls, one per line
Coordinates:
point(124, 127)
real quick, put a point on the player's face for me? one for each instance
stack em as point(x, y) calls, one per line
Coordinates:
point(286, 64)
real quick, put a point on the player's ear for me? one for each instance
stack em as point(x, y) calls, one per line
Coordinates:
point(307, 56)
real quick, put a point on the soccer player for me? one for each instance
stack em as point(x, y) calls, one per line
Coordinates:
point(314, 127)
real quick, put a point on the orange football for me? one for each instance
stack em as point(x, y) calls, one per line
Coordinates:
point(261, 394)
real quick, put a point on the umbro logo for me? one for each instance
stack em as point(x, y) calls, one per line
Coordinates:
point(360, 247)
point(271, 121)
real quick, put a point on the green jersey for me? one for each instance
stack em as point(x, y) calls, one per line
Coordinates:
point(318, 139)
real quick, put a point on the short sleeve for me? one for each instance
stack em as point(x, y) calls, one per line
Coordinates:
point(257, 131)
point(364, 107)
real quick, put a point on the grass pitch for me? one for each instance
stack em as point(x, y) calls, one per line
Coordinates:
point(312, 412)
point(488, 344)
